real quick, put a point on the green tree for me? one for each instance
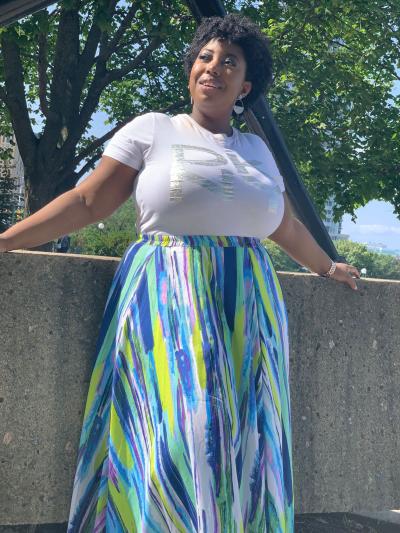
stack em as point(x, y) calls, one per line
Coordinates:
point(112, 240)
point(336, 64)
point(57, 68)
point(377, 265)
point(280, 259)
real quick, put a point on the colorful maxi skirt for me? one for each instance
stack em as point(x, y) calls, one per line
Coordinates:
point(187, 425)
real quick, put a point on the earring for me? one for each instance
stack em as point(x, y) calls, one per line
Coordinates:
point(191, 100)
point(239, 106)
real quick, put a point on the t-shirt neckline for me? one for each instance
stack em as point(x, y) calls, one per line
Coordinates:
point(222, 137)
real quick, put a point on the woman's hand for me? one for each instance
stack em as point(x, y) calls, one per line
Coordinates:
point(344, 273)
point(3, 244)
point(293, 237)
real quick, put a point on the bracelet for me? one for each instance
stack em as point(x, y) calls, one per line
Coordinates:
point(330, 271)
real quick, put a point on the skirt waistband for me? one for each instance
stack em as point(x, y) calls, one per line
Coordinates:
point(199, 240)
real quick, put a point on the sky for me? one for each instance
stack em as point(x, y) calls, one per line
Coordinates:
point(376, 224)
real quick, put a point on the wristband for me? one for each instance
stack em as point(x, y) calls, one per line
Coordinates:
point(330, 271)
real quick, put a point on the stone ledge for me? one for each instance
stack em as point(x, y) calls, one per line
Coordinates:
point(345, 384)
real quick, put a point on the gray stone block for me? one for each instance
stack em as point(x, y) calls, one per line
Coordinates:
point(345, 389)
point(51, 309)
point(345, 381)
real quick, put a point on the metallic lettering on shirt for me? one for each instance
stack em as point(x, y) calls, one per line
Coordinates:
point(180, 155)
point(227, 184)
point(252, 178)
point(180, 172)
point(179, 175)
point(176, 176)
point(224, 186)
point(241, 166)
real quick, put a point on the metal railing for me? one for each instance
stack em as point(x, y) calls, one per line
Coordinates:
point(12, 10)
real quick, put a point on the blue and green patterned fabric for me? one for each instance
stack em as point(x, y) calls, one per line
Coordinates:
point(187, 422)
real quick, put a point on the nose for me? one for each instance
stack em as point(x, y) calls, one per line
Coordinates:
point(213, 67)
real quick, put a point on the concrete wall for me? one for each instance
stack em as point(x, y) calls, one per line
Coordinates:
point(345, 383)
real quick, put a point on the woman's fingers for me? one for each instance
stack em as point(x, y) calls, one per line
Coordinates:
point(351, 282)
point(353, 271)
point(345, 273)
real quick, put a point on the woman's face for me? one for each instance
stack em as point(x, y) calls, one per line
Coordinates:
point(217, 77)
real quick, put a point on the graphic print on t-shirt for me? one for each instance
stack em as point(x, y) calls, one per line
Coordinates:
point(182, 172)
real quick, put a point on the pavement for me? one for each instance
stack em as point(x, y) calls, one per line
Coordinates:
point(383, 522)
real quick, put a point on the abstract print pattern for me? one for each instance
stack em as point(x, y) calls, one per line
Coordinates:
point(187, 422)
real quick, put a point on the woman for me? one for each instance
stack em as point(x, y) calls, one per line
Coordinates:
point(187, 421)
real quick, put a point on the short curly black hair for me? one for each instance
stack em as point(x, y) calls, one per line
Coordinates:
point(241, 31)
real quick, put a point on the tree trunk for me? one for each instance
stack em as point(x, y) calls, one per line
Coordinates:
point(38, 193)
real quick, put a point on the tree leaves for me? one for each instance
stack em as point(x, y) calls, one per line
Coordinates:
point(377, 265)
point(335, 69)
point(336, 64)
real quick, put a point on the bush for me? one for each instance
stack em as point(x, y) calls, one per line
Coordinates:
point(118, 232)
point(377, 265)
point(280, 259)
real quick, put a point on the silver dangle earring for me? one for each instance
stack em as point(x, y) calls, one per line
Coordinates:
point(191, 99)
point(239, 106)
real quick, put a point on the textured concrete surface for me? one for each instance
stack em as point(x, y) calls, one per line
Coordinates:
point(51, 308)
point(345, 381)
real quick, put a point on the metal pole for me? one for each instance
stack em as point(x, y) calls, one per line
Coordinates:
point(261, 121)
point(12, 10)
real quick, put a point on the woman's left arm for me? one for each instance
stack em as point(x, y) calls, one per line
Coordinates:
point(295, 239)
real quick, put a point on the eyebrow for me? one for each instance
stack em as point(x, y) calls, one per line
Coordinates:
point(232, 55)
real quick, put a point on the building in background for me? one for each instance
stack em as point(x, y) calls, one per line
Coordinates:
point(14, 168)
point(334, 228)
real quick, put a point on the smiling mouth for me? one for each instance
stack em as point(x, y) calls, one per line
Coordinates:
point(205, 84)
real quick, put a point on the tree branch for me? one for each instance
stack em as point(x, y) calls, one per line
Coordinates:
point(104, 36)
point(100, 81)
point(14, 97)
point(76, 125)
point(64, 101)
point(42, 72)
point(114, 41)
point(116, 74)
point(99, 142)
point(87, 57)
point(87, 166)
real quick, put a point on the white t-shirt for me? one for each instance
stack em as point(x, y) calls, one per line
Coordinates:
point(194, 182)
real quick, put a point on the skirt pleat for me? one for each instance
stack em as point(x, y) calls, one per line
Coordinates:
point(187, 425)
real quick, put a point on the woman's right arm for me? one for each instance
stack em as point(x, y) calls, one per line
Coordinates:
point(96, 198)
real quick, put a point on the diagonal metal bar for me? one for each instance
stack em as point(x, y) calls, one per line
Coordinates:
point(261, 121)
point(12, 10)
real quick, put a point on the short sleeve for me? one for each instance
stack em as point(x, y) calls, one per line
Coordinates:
point(272, 168)
point(132, 142)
